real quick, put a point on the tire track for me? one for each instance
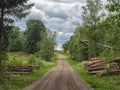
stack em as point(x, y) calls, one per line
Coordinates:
point(63, 77)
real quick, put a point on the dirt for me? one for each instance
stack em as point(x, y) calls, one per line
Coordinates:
point(63, 77)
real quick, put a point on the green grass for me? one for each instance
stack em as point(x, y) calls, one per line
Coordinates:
point(97, 82)
point(19, 81)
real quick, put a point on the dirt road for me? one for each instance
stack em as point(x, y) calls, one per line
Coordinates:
point(62, 77)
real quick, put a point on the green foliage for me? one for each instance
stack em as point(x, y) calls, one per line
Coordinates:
point(113, 6)
point(47, 46)
point(111, 27)
point(16, 40)
point(19, 81)
point(22, 59)
point(10, 10)
point(66, 46)
point(39, 40)
point(83, 53)
point(34, 35)
point(13, 60)
point(97, 82)
point(77, 50)
point(31, 59)
point(84, 43)
point(91, 17)
point(99, 35)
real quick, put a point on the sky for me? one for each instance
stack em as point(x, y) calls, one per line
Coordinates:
point(61, 16)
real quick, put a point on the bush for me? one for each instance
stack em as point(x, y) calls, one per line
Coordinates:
point(16, 45)
point(32, 60)
point(37, 54)
point(14, 61)
point(80, 53)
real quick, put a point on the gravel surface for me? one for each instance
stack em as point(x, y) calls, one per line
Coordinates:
point(63, 77)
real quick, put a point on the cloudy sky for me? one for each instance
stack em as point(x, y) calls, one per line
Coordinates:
point(61, 16)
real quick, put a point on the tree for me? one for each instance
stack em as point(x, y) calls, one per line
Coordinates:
point(97, 36)
point(10, 10)
point(47, 45)
point(77, 50)
point(34, 35)
point(66, 46)
point(89, 31)
point(16, 40)
point(91, 16)
point(111, 25)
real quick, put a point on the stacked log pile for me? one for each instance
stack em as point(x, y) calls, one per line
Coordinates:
point(115, 66)
point(22, 69)
point(35, 67)
point(98, 66)
point(95, 66)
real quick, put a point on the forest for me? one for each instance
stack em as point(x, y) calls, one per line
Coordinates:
point(99, 34)
point(32, 47)
point(93, 51)
point(94, 47)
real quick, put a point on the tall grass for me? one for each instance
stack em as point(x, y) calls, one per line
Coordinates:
point(18, 81)
point(97, 82)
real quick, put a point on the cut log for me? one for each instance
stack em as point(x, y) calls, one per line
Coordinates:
point(19, 69)
point(92, 59)
point(116, 59)
point(96, 68)
point(115, 71)
point(97, 65)
point(93, 62)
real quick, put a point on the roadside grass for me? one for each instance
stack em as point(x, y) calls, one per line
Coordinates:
point(99, 82)
point(19, 81)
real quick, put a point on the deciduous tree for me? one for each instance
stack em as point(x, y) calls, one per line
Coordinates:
point(35, 28)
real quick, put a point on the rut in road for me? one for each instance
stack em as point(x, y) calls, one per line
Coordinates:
point(62, 77)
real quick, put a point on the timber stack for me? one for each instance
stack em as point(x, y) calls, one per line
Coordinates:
point(115, 66)
point(95, 66)
point(22, 69)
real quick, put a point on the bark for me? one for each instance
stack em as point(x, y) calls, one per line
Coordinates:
point(1, 41)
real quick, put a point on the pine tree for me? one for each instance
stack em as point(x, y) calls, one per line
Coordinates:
point(10, 10)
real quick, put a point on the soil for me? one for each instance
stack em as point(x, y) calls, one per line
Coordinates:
point(63, 77)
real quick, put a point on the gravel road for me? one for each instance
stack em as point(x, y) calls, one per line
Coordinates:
point(63, 77)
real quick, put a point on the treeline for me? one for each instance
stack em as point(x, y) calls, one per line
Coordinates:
point(33, 40)
point(36, 39)
point(99, 34)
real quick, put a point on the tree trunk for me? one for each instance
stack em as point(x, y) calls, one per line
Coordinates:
point(1, 42)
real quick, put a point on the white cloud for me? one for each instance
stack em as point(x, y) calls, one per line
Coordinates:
point(59, 34)
point(61, 16)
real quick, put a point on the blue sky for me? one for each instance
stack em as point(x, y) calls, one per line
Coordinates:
point(61, 16)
